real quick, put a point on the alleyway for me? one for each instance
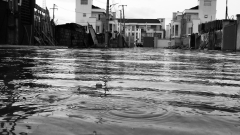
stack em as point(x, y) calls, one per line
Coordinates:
point(150, 92)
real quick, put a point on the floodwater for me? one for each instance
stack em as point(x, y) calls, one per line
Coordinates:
point(148, 92)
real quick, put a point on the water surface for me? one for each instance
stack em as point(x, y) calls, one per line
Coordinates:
point(148, 91)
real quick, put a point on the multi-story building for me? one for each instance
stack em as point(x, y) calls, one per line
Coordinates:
point(86, 13)
point(186, 22)
point(140, 28)
point(176, 25)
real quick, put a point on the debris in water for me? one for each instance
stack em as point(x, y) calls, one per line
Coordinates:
point(99, 86)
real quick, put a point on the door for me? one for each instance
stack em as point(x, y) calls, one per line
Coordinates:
point(148, 42)
point(229, 37)
point(192, 41)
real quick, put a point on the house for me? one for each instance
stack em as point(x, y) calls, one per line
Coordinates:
point(86, 13)
point(176, 25)
point(186, 22)
point(140, 28)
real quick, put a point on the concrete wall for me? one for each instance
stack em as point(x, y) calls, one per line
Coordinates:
point(210, 11)
point(162, 43)
point(186, 41)
point(177, 41)
point(167, 31)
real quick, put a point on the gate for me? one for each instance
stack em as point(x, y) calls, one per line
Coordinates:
point(229, 37)
point(148, 42)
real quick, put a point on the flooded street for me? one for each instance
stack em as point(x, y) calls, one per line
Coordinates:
point(148, 92)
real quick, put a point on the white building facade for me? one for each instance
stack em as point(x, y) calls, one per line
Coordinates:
point(86, 13)
point(186, 22)
point(139, 28)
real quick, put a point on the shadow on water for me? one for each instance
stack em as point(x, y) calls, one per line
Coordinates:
point(12, 100)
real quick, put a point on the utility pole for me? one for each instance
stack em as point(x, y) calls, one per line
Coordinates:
point(120, 21)
point(124, 21)
point(106, 25)
point(16, 13)
point(226, 17)
point(13, 31)
point(54, 7)
point(112, 6)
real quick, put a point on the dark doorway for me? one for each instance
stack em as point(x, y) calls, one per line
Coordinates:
point(229, 37)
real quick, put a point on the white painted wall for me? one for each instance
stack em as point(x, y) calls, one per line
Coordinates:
point(167, 32)
point(189, 25)
point(179, 29)
point(80, 10)
point(195, 25)
point(210, 11)
point(162, 43)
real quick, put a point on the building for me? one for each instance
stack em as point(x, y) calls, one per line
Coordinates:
point(176, 25)
point(86, 13)
point(168, 31)
point(20, 33)
point(186, 22)
point(140, 28)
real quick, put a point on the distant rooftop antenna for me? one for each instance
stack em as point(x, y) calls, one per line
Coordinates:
point(44, 4)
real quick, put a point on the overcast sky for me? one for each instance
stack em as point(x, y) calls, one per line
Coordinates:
point(140, 8)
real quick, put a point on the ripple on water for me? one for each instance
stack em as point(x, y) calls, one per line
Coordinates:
point(53, 97)
point(121, 109)
point(139, 113)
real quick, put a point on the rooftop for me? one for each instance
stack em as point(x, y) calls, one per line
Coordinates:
point(95, 7)
point(194, 8)
point(142, 21)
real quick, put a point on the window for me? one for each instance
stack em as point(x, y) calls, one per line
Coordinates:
point(190, 30)
point(133, 28)
point(188, 17)
point(84, 2)
point(86, 28)
point(207, 3)
point(173, 30)
point(97, 29)
point(99, 17)
point(176, 30)
point(110, 26)
point(84, 14)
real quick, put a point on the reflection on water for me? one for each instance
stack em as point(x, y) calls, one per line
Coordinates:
point(157, 87)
